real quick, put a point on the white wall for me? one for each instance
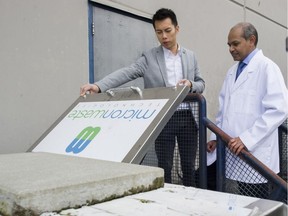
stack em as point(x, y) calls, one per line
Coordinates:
point(44, 53)
point(43, 62)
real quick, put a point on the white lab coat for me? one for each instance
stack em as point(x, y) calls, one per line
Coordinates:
point(253, 108)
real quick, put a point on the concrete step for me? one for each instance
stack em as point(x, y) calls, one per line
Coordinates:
point(34, 183)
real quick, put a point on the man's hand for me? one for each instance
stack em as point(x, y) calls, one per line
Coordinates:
point(185, 82)
point(92, 88)
point(236, 145)
point(211, 146)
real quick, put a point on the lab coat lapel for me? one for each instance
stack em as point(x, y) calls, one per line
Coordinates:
point(246, 73)
point(242, 78)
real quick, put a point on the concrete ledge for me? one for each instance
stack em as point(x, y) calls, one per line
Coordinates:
point(34, 183)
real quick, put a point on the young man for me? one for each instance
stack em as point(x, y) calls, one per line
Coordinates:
point(164, 66)
point(253, 103)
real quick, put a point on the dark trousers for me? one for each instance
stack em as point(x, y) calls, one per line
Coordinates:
point(254, 190)
point(211, 177)
point(181, 126)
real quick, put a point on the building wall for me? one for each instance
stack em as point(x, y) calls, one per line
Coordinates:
point(44, 53)
point(43, 62)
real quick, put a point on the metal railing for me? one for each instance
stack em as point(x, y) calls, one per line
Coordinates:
point(283, 141)
point(276, 186)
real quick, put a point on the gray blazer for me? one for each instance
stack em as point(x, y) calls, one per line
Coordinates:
point(151, 66)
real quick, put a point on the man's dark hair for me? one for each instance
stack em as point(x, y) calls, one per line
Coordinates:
point(164, 13)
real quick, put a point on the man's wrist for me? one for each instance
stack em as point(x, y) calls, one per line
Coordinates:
point(191, 85)
point(97, 89)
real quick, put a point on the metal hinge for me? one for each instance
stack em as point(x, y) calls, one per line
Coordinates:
point(93, 28)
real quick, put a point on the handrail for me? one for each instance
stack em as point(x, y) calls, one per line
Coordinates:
point(199, 98)
point(248, 157)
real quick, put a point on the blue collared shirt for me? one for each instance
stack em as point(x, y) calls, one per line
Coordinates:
point(249, 57)
point(244, 63)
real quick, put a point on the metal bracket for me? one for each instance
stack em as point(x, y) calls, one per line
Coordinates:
point(112, 92)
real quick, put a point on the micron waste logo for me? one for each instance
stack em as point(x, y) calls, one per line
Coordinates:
point(83, 139)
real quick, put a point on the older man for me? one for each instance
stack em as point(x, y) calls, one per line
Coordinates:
point(253, 104)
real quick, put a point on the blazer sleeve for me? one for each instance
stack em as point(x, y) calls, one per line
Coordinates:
point(192, 71)
point(198, 83)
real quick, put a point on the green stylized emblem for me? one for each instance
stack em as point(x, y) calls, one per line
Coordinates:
point(83, 139)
